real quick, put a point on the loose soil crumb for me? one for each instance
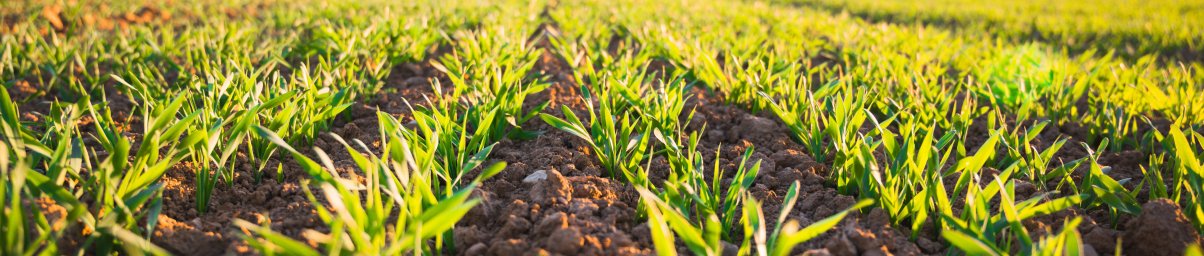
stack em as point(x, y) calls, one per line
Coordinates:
point(1160, 229)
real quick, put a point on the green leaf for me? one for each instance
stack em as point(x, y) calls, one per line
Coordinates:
point(133, 242)
point(490, 171)
point(791, 236)
point(967, 244)
point(278, 242)
point(574, 129)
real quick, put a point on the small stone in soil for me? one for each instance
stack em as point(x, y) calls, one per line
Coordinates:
point(536, 176)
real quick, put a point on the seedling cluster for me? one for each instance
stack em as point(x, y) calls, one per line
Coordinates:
point(947, 115)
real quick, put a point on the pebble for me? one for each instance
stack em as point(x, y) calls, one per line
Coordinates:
point(536, 176)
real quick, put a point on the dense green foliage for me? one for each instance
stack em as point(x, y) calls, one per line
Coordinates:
point(914, 104)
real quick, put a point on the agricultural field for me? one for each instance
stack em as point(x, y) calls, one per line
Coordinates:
point(602, 127)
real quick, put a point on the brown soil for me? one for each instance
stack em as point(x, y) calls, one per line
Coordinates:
point(1161, 228)
point(183, 230)
point(573, 211)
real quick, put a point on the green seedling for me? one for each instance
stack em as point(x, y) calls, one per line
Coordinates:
point(617, 140)
point(702, 234)
point(397, 211)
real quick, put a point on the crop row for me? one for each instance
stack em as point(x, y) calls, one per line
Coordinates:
point(938, 128)
point(893, 112)
point(1139, 29)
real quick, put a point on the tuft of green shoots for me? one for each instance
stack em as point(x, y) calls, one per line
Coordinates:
point(701, 234)
point(616, 138)
point(398, 210)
